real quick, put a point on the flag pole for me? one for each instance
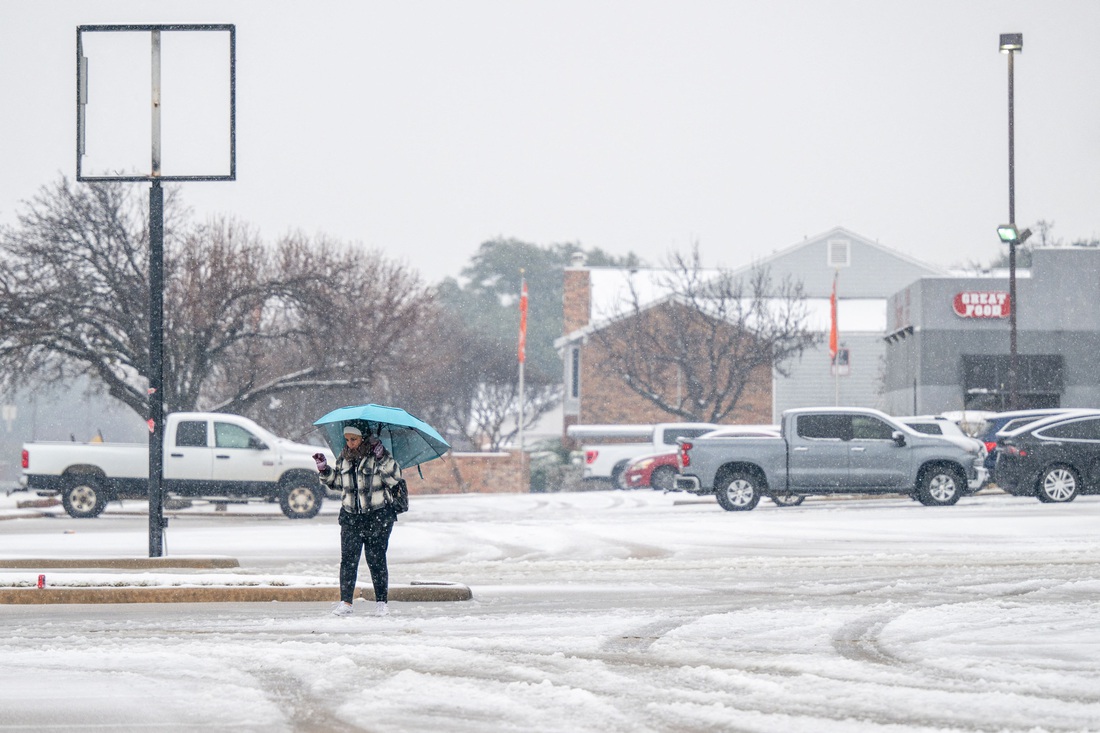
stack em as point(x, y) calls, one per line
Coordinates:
point(834, 338)
point(522, 353)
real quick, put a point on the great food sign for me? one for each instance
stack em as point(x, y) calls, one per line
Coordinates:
point(982, 305)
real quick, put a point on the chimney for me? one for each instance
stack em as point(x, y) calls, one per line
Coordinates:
point(576, 295)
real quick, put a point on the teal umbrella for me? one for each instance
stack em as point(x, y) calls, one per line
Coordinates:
point(410, 440)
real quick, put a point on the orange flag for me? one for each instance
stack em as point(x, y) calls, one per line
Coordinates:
point(523, 324)
point(833, 327)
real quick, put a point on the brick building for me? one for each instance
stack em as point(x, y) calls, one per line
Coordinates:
point(866, 273)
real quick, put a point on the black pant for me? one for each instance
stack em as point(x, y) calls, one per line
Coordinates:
point(369, 535)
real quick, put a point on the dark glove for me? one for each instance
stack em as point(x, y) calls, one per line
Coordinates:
point(321, 461)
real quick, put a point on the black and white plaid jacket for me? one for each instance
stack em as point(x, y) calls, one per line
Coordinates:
point(365, 482)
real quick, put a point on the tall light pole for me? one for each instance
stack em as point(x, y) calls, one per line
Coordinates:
point(1010, 44)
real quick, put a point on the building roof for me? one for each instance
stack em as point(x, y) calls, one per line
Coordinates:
point(863, 288)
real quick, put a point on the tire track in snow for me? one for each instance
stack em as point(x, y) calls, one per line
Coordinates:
point(306, 712)
point(861, 641)
point(640, 639)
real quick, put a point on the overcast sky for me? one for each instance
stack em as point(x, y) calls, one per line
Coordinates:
point(426, 128)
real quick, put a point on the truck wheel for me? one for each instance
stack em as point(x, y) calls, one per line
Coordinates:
point(83, 496)
point(300, 500)
point(617, 475)
point(1057, 484)
point(739, 492)
point(788, 499)
point(663, 479)
point(939, 487)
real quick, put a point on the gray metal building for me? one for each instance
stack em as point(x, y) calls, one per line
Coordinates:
point(948, 338)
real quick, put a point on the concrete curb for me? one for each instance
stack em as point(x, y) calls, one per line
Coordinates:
point(414, 593)
point(123, 563)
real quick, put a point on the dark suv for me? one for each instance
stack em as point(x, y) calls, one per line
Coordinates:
point(1053, 459)
point(1006, 421)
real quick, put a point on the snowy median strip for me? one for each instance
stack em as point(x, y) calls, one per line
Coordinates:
point(196, 562)
point(157, 588)
point(141, 587)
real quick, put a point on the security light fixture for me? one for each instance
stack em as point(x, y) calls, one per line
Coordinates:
point(1012, 42)
point(1009, 234)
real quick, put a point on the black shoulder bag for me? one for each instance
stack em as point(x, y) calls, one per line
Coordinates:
point(399, 496)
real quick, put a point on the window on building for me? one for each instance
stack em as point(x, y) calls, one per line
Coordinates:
point(575, 373)
point(986, 384)
point(191, 434)
point(842, 363)
point(840, 253)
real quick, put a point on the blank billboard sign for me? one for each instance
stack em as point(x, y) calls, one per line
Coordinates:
point(156, 102)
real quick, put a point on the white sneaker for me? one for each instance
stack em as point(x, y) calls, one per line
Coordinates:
point(342, 609)
point(381, 609)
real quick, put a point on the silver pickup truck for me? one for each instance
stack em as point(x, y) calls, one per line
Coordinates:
point(830, 451)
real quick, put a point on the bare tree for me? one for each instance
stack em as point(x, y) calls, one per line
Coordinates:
point(246, 324)
point(468, 386)
point(694, 352)
point(494, 411)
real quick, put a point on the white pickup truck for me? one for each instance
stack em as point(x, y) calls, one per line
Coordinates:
point(607, 461)
point(206, 455)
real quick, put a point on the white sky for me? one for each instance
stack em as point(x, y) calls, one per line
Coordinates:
point(606, 611)
point(425, 128)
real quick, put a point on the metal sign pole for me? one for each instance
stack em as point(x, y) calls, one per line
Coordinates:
point(155, 177)
point(156, 326)
point(156, 369)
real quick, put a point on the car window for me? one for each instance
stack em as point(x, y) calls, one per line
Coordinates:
point(825, 427)
point(950, 428)
point(191, 434)
point(926, 428)
point(228, 435)
point(1019, 422)
point(672, 435)
point(1088, 429)
point(866, 427)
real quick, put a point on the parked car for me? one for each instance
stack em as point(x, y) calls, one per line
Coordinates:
point(1053, 459)
point(658, 470)
point(207, 455)
point(833, 450)
point(944, 427)
point(1008, 421)
point(607, 461)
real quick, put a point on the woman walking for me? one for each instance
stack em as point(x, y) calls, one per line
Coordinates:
point(367, 476)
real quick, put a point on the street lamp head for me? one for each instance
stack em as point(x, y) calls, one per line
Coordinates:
point(1012, 42)
point(1008, 233)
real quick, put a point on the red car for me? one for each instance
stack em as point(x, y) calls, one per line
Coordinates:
point(658, 470)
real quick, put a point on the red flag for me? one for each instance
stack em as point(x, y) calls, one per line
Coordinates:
point(523, 324)
point(833, 327)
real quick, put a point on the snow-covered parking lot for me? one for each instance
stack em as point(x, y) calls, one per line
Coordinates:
point(596, 611)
